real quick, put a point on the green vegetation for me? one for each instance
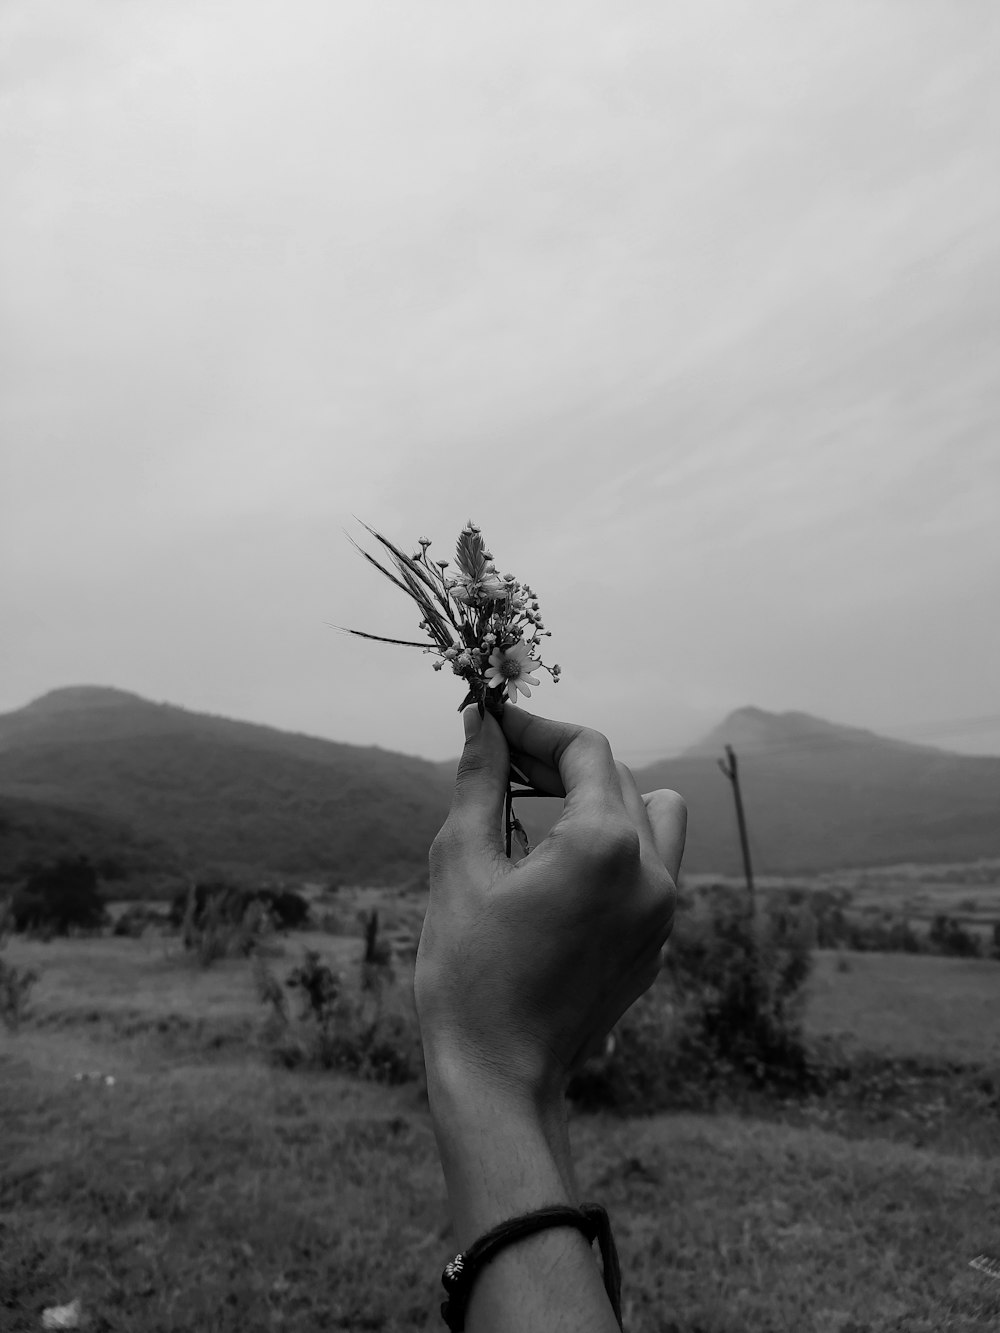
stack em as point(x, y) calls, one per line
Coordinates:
point(367, 1030)
point(58, 898)
point(15, 982)
point(195, 791)
point(150, 790)
point(250, 1197)
point(785, 1137)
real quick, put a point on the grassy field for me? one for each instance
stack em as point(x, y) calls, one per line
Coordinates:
point(204, 1190)
point(897, 1004)
point(912, 1005)
point(969, 892)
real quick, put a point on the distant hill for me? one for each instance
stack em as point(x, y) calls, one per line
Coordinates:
point(151, 785)
point(200, 789)
point(819, 796)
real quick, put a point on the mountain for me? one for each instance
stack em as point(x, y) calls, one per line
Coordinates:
point(191, 789)
point(820, 796)
point(147, 784)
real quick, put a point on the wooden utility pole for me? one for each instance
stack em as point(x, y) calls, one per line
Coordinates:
point(732, 774)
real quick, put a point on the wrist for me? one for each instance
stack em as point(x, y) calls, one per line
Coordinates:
point(504, 1151)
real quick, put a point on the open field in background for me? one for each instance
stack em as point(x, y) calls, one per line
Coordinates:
point(969, 891)
point(210, 1193)
point(206, 1190)
point(907, 1005)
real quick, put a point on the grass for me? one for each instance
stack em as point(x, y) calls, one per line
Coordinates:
point(966, 891)
point(207, 1191)
point(910, 1005)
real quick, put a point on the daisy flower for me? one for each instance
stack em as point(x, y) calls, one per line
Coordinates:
point(509, 667)
point(485, 626)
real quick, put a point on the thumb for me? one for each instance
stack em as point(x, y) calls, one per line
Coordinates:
point(481, 781)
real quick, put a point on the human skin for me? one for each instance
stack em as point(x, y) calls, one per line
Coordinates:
point(522, 971)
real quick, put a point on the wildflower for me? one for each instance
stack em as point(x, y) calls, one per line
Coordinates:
point(62, 1316)
point(509, 668)
point(483, 625)
point(492, 590)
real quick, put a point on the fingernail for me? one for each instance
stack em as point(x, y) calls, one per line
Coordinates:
point(471, 721)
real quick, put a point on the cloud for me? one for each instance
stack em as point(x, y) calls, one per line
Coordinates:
point(692, 310)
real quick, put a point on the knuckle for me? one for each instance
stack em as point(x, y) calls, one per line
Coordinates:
point(445, 847)
point(676, 802)
point(615, 846)
point(595, 739)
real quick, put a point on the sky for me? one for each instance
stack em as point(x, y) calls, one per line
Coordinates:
point(693, 308)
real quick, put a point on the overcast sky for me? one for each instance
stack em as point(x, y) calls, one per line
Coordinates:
point(692, 307)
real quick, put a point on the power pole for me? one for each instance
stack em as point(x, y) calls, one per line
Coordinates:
point(732, 773)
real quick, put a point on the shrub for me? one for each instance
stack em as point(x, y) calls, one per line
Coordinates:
point(60, 897)
point(727, 1010)
point(950, 938)
point(371, 1033)
point(15, 983)
point(136, 919)
point(744, 976)
point(289, 909)
point(226, 926)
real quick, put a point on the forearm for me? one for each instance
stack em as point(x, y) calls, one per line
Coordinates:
point(503, 1157)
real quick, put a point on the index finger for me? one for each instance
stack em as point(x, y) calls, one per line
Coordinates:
point(581, 757)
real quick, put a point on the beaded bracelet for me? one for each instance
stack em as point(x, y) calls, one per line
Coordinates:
point(461, 1272)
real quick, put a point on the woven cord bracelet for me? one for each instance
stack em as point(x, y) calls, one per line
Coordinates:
point(590, 1218)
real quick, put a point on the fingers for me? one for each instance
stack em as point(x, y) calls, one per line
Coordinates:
point(572, 761)
point(667, 814)
point(562, 758)
point(636, 808)
point(480, 784)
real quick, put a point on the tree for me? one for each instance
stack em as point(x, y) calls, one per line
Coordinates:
point(59, 897)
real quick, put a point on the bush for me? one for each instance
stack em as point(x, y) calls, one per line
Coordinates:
point(226, 926)
point(58, 898)
point(289, 909)
point(136, 920)
point(950, 938)
point(726, 1011)
point(15, 983)
point(742, 978)
point(371, 1033)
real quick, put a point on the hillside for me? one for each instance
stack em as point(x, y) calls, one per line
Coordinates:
point(819, 796)
point(92, 769)
point(217, 791)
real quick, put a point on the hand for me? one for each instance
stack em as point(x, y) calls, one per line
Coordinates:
point(523, 969)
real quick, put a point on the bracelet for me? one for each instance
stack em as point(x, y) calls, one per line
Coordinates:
point(461, 1272)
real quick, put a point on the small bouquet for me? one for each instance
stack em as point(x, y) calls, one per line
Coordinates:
point(485, 626)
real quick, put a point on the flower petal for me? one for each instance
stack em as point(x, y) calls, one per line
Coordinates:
point(532, 680)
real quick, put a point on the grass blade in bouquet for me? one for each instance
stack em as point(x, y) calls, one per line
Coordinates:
point(483, 625)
